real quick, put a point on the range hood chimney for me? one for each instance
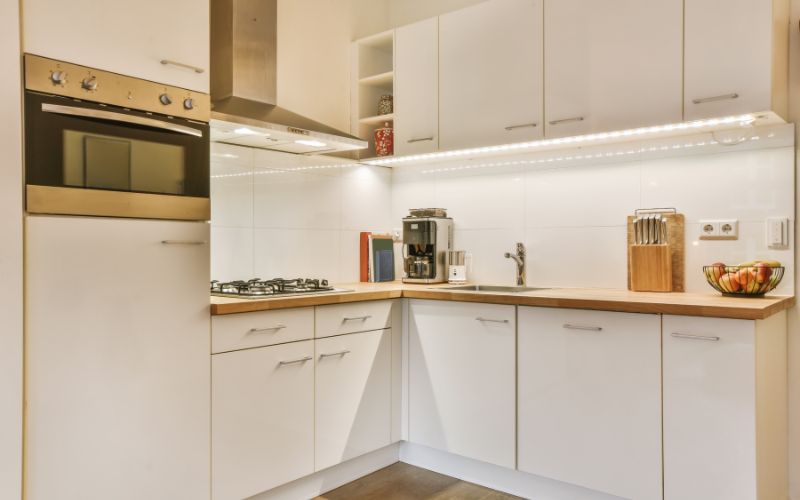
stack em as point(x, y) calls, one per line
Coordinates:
point(244, 43)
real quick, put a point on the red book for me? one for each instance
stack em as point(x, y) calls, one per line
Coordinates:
point(364, 256)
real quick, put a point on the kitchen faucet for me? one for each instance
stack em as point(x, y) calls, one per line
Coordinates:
point(519, 258)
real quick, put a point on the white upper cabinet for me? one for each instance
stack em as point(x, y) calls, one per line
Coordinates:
point(416, 103)
point(590, 399)
point(611, 64)
point(490, 74)
point(736, 60)
point(131, 38)
point(462, 389)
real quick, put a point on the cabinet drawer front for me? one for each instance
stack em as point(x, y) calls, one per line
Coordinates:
point(591, 381)
point(709, 408)
point(262, 418)
point(354, 317)
point(257, 329)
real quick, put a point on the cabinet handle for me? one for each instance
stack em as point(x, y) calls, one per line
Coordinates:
point(294, 361)
point(524, 125)
point(182, 65)
point(724, 97)
point(268, 329)
point(182, 242)
point(421, 139)
point(570, 326)
point(695, 337)
point(489, 320)
point(332, 354)
point(356, 318)
point(566, 120)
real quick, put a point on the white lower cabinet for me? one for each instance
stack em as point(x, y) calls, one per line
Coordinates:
point(262, 418)
point(590, 399)
point(725, 409)
point(352, 396)
point(462, 379)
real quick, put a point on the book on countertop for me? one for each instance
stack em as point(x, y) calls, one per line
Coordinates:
point(376, 254)
point(364, 251)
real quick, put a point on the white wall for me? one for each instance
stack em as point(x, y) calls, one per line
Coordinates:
point(282, 215)
point(571, 213)
point(10, 255)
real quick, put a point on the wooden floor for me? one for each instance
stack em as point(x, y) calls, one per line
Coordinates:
point(406, 482)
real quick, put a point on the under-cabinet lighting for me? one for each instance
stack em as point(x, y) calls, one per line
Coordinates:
point(693, 126)
point(245, 131)
point(310, 142)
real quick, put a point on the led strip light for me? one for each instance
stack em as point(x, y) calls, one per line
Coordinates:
point(695, 125)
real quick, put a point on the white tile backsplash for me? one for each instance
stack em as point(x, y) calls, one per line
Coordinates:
point(283, 215)
point(569, 210)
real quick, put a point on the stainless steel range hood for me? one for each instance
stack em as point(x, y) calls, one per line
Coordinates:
point(244, 42)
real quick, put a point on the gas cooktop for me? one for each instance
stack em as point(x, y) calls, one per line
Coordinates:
point(257, 288)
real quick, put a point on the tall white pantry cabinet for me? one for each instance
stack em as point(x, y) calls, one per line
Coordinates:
point(117, 368)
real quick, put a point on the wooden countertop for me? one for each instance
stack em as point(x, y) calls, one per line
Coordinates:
point(688, 304)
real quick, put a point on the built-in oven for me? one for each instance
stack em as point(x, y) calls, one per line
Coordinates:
point(103, 144)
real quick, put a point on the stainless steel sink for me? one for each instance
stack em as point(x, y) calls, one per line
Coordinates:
point(493, 288)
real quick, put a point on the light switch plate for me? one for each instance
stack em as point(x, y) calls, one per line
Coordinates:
point(778, 232)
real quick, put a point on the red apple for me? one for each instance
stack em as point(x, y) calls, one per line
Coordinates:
point(745, 276)
point(729, 283)
point(763, 272)
point(717, 270)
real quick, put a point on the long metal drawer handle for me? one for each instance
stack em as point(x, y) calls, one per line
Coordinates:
point(570, 326)
point(294, 361)
point(101, 114)
point(356, 318)
point(724, 97)
point(566, 120)
point(708, 338)
point(489, 320)
point(183, 65)
point(524, 125)
point(182, 242)
point(332, 354)
point(268, 329)
point(421, 139)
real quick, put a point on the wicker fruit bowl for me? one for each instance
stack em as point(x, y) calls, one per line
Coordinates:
point(749, 279)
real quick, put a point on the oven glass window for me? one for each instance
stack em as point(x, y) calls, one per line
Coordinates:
point(108, 162)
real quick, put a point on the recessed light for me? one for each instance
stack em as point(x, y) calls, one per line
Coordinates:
point(310, 142)
point(245, 131)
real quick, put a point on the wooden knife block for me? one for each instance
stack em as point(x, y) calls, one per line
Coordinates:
point(651, 268)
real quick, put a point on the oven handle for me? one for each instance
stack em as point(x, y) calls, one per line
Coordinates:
point(119, 117)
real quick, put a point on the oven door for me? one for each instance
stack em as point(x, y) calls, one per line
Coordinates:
point(84, 158)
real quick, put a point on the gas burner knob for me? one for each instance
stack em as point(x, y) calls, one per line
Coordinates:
point(324, 282)
point(188, 103)
point(165, 99)
point(58, 77)
point(89, 83)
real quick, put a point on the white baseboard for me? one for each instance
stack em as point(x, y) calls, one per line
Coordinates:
point(333, 477)
point(493, 476)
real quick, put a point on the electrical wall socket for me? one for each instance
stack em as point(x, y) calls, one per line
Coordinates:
point(719, 229)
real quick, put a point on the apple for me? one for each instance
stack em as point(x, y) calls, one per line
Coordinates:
point(717, 269)
point(729, 283)
point(763, 272)
point(745, 276)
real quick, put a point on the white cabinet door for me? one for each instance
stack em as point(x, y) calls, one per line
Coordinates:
point(263, 418)
point(590, 399)
point(117, 359)
point(709, 409)
point(416, 88)
point(462, 379)
point(352, 396)
point(131, 38)
point(490, 74)
point(612, 64)
point(728, 57)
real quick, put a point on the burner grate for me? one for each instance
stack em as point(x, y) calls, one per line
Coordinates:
point(256, 287)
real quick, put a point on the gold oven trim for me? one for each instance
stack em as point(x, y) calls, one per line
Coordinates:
point(78, 201)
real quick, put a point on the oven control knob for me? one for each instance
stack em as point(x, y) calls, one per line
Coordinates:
point(165, 99)
point(188, 103)
point(58, 77)
point(89, 83)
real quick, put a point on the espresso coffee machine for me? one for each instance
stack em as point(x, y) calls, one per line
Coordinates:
point(427, 237)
